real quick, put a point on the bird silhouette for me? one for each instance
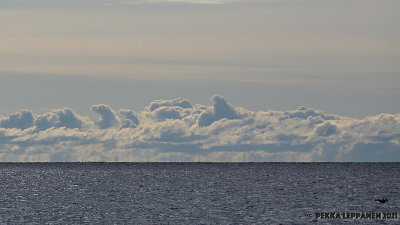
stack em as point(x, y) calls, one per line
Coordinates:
point(382, 200)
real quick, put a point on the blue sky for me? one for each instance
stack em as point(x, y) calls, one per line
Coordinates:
point(340, 57)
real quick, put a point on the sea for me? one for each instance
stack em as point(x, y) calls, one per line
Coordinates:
point(199, 193)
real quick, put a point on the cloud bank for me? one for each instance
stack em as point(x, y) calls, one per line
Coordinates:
point(177, 130)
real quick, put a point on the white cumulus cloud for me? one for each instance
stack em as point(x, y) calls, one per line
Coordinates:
point(108, 117)
point(177, 130)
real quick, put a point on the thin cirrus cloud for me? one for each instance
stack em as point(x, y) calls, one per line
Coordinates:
point(177, 130)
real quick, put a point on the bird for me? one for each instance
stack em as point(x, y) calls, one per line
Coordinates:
point(382, 200)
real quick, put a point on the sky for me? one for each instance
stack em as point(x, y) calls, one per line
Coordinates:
point(76, 63)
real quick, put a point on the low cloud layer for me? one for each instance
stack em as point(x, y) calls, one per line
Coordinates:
point(177, 130)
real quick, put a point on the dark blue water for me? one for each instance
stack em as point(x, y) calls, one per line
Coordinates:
point(195, 193)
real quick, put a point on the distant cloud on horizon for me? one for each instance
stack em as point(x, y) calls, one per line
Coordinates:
point(177, 130)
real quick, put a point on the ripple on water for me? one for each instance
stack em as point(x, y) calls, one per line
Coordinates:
point(194, 193)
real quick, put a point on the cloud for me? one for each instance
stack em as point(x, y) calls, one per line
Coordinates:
point(181, 102)
point(59, 118)
point(304, 113)
point(131, 120)
point(177, 130)
point(326, 129)
point(222, 109)
point(108, 117)
point(20, 120)
point(165, 112)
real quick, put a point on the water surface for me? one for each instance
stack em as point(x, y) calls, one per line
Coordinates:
point(195, 193)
